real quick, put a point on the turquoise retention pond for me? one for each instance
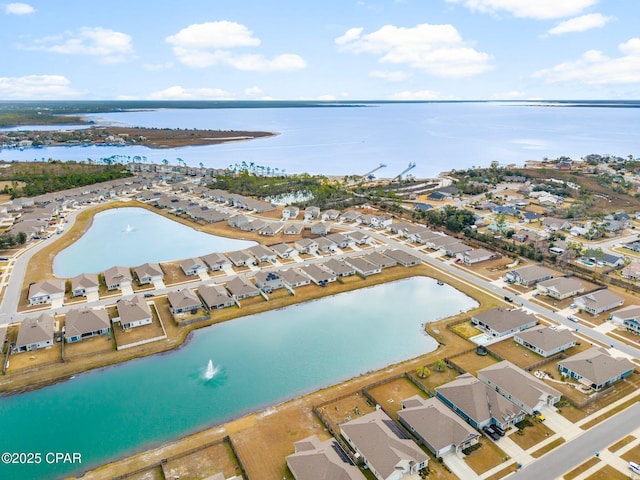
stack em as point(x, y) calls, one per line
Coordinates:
point(132, 236)
point(258, 360)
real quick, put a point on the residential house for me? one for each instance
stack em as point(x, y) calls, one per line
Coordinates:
point(133, 313)
point(241, 288)
point(316, 460)
point(631, 271)
point(149, 273)
point(440, 241)
point(499, 322)
point(596, 368)
point(81, 323)
point(311, 213)
point(436, 426)
point(269, 229)
point(438, 196)
point(318, 275)
point(330, 215)
point(306, 245)
point(117, 277)
point(339, 268)
point(253, 226)
point(320, 228)
point(455, 248)
point(283, 250)
point(405, 259)
point(556, 224)
point(293, 229)
point(531, 217)
point(380, 259)
point(478, 404)
point(629, 317)
point(262, 253)
point(293, 279)
point(605, 258)
point(349, 216)
point(476, 255)
point(363, 266)
point(516, 385)
point(238, 220)
point(216, 262)
point(215, 297)
point(546, 341)
point(325, 245)
point(182, 301)
point(268, 281)
point(83, 284)
point(290, 212)
point(528, 276)
point(193, 266)
point(422, 207)
point(384, 450)
point(341, 240)
point(46, 291)
point(599, 301)
point(561, 287)
point(359, 238)
point(240, 258)
point(34, 333)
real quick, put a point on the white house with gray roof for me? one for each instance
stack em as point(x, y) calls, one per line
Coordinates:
point(34, 333)
point(215, 297)
point(283, 250)
point(499, 322)
point(318, 275)
point(530, 275)
point(241, 288)
point(599, 301)
point(406, 259)
point(339, 268)
point(384, 448)
point(363, 266)
point(46, 291)
point(316, 460)
point(293, 278)
point(561, 287)
point(436, 426)
point(596, 368)
point(629, 317)
point(133, 313)
point(360, 238)
point(193, 266)
point(262, 253)
point(380, 259)
point(117, 277)
point(292, 229)
point(240, 258)
point(81, 323)
point(478, 404)
point(216, 261)
point(268, 281)
point(516, 385)
point(546, 341)
point(290, 212)
point(476, 255)
point(149, 273)
point(83, 284)
point(306, 245)
point(182, 301)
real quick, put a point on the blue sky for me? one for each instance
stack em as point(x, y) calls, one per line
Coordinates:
point(329, 49)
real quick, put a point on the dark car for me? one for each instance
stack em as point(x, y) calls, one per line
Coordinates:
point(491, 433)
point(508, 299)
point(498, 430)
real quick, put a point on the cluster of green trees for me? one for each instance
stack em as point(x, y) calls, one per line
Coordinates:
point(14, 119)
point(452, 218)
point(44, 178)
point(8, 240)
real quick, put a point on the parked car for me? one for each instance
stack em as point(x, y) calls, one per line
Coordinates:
point(538, 415)
point(147, 295)
point(491, 433)
point(634, 467)
point(573, 319)
point(498, 430)
point(508, 299)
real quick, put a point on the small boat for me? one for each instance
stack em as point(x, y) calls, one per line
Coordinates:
point(440, 282)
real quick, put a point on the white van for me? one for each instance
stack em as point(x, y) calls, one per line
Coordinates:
point(634, 467)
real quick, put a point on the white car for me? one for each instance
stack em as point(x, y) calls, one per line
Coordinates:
point(634, 467)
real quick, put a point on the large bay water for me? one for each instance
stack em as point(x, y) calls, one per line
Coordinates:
point(353, 140)
point(260, 360)
point(132, 236)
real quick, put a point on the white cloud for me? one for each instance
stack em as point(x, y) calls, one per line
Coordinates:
point(18, 9)
point(207, 44)
point(437, 49)
point(418, 95)
point(253, 92)
point(389, 76)
point(540, 9)
point(157, 67)
point(349, 36)
point(108, 45)
point(221, 34)
point(596, 68)
point(580, 24)
point(180, 93)
point(37, 87)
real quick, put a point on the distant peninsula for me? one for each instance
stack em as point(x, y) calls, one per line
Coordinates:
point(124, 136)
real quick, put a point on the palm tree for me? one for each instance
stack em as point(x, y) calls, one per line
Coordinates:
point(440, 365)
point(201, 165)
point(423, 372)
